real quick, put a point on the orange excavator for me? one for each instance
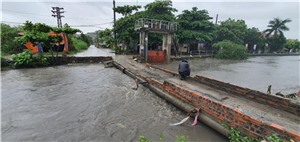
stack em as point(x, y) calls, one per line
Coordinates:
point(37, 48)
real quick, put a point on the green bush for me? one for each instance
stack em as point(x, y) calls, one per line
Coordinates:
point(79, 45)
point(26, 59)
point(275, 138)
point(8, 43)
point(230, 50)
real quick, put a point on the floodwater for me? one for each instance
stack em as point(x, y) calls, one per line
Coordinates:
point(94, 51)
point(282, 72)
point(87, 102)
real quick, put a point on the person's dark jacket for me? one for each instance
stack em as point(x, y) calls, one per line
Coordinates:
point(184, 67)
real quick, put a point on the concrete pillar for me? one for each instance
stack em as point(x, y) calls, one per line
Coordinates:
point(164, 44)
point(168, 47)
point(146, 47)
point(142, 43)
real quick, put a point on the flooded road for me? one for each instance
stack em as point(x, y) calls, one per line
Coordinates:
point(87, 102)
point(282, 72)
point(94, 51)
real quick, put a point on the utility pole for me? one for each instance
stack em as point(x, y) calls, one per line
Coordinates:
point(115, 35)
point(57, 13)
point(216, 20)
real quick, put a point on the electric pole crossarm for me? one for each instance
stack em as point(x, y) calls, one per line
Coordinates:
point(57, 13)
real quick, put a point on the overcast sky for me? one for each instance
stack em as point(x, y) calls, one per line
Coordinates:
point(92, 15)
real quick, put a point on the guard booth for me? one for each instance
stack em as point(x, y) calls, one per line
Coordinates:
point(146, 26)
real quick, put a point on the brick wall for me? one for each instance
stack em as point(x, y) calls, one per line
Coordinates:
point(285, 104)
point(223, 114)
point(275, 101)
point(66, 60)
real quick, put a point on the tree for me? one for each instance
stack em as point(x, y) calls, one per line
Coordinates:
point(277, 26)
point(86, 38)
point(194, 26)
point(124, 27)
point(8, 43)
point(293, 45)
point(277, 40)
point(230, 50)
point(161, 10)
point(254, 37)
point(105, 38)
point(126, 10)
point(276, 43)
point(232, 30)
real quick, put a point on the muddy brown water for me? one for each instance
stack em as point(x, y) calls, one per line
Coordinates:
point(87, 102)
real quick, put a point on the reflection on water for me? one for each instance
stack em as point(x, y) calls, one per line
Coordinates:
point(87, 103)
point(282, 72)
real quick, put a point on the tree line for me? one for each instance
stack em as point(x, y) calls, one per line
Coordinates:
point(195, 26)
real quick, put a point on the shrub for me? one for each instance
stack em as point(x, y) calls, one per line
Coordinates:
point(8, 43)
point(230, 50)
point(79, 44)
point(26, 59)
point(4, 62)
point(275, 138)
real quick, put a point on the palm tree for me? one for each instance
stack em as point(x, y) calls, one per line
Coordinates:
point(277, 26)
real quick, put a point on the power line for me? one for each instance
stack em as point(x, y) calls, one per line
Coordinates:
point(8, 22)
point(48, 16)
point(93, 25)
point(19, 12)
point(47, 5)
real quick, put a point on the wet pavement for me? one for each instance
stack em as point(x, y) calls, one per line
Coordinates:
point(87, 102)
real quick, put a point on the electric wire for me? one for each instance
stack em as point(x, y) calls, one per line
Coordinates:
point(49, 16)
